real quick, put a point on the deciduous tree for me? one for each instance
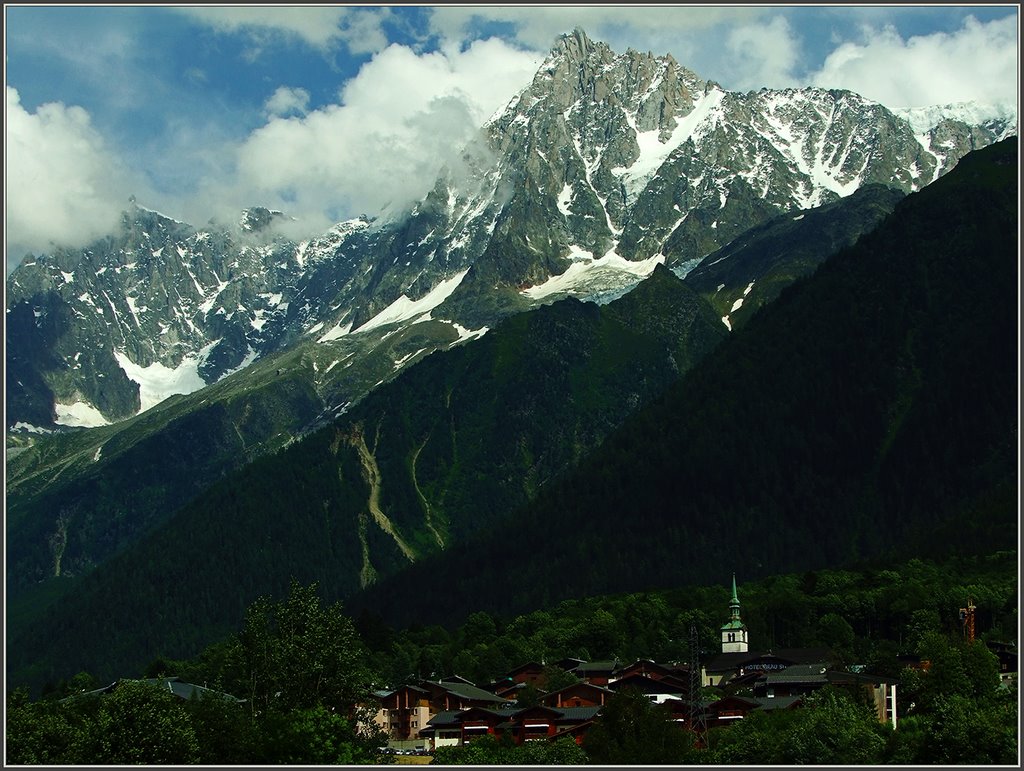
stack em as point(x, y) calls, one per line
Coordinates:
point(632, 730)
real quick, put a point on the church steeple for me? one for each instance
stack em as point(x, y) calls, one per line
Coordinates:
point(734, 603)
point(734, 633)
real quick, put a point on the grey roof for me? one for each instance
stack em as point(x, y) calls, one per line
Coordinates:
point(444, 719)
point(731, 698)
point(857, 677)
point(411, 687)
point(778, 702)
point(647, 684)
point(561, 714)
point(577, 713)
point(726, 661)
point(723, 662)
point(456, 679)
point(799, 673)
point(506, 714)
point(185, 690)
point(598, 666)
point(467, 691)
point(174, 685)
point(96, 692)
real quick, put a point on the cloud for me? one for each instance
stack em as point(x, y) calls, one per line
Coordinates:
point(761, 55)
point(397, 122)
point(322, 27)
point(64, 186)
point(362, 31)
point(286, 101)
point(693, 35)
point(637, 27)
point(978, 62)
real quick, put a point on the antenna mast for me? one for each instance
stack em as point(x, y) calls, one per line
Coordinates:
point(698, 718)
point(967, 618)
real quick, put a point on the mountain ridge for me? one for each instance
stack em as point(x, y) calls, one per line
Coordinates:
point(61, 484)
point(408, 471)
point(868, 442)
point(603, 156)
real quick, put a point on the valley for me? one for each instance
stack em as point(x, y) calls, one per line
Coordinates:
point(643, 325)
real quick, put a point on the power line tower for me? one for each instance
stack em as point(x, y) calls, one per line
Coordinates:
point(967, 619)
point(698, 718)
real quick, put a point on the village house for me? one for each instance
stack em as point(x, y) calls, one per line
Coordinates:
point(406, 710)
point(524, 724)
point(531, 672)
point(1007, 655)
point(597, 672)
point(657, 691)
point(578, 695)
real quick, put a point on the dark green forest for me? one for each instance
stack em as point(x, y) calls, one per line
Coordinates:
point(304, 668)
point(773, 255)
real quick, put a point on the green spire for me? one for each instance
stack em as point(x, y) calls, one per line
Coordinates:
point(734, 603)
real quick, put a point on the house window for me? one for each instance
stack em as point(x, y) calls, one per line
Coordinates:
point(732, 637)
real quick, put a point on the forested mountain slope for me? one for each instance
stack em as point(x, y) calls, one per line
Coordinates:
point(447, 449)
point(870, 410)
point(83, 497)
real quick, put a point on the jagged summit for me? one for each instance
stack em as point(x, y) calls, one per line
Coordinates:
point(258, 218)
point(575, 45)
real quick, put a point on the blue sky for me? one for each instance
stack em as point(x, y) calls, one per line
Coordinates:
point(328, 112)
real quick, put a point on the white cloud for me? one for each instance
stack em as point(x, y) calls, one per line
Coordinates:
point(402, 117)
point(63, 186)
point(287, 101)
point(322, 27)
point(761, 55)
point(978, 62)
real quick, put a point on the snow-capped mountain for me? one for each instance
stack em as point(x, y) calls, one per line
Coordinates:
point(603, 167)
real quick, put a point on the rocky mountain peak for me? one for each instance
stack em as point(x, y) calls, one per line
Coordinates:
point(575, 46)
point(258, 218)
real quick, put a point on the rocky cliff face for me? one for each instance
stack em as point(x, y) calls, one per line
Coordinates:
point(603, 167)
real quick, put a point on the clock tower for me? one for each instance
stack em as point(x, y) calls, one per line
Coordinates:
point(734, 632)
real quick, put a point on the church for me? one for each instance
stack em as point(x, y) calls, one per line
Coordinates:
point(781, 679)
point(737, 660)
